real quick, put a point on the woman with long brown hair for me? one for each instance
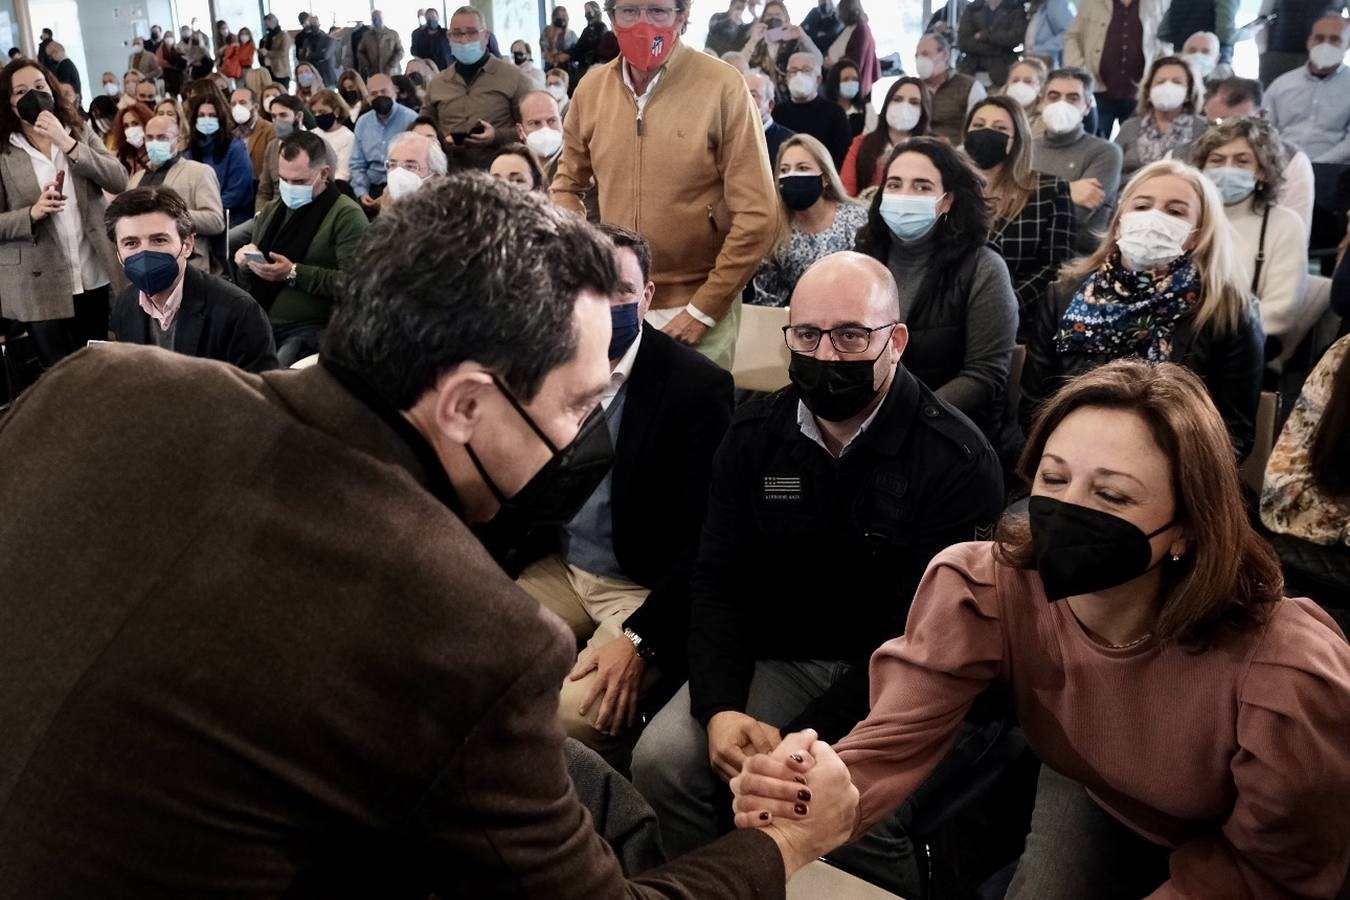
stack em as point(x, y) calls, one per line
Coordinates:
point(1164, 286)
point(1033, 213)
point(1189, 719)
point(56, 262)
point(905, 114)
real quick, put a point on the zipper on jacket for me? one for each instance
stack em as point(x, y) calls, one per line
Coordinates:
point(712, 219)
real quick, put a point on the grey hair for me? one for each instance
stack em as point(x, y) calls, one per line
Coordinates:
point(471, 11)
point(436, 159)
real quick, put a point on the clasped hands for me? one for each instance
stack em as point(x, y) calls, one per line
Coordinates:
point(800, 793)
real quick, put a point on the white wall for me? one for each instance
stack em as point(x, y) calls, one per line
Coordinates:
point(513, 20)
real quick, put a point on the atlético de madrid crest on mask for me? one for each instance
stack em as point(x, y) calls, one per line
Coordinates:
point(658, 45)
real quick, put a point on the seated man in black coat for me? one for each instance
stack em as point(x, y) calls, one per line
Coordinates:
point(171, 304)
point(618, 572)
point(828, 500)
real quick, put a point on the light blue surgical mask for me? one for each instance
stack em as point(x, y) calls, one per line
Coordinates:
point(909, 217)
point(207, 125)
point(158, 152)
point(467, 53)
point(306, 78)
point(296, 196)
point(1235, 185)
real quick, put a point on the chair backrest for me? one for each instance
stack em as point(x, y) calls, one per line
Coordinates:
point(762, 355)
point(1253, 470)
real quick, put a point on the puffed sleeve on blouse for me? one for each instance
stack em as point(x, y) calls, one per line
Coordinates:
point(924, 682)
point(1286, 836)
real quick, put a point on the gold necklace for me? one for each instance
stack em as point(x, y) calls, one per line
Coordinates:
point(1134, 643)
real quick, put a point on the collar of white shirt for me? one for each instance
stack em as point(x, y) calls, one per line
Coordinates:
point(166, 315)
point(807, 423)
point(622, 370)
point(651, 85)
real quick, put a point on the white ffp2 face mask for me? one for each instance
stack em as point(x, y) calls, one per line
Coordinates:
point(400, 182)
point(1150, 239)
point(1061, 117)
point(801, 86)
point(1025, 94)
point(903, 116)
point(1168, 96)
point(1326, 56)
point(545, 142)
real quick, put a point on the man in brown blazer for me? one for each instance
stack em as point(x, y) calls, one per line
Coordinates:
point(252, 645)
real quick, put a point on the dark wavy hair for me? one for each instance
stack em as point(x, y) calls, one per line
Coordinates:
point(219, 143)
point(1230, 578)
point(10, 123)
point(959, 233)
point(501, 294)
point(874, 145)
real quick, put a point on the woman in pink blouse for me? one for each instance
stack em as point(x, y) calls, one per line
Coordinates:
point(1191, 721)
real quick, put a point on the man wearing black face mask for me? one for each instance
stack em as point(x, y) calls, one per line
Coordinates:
point(171, 304)
point(828, 500)
point(295, 624)
point(625, 594)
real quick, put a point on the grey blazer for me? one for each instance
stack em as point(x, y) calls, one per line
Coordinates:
point(35, 282)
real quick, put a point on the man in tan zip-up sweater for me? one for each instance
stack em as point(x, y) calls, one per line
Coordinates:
point(685, 165)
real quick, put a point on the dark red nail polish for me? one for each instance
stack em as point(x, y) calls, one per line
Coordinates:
point(797, 758)
point(799, 779)
point(800, 809)
point(804, 796)
point(764, 817)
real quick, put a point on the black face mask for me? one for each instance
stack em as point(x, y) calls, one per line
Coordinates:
point(834, 389)
point(801, 191)
point(1080, 550)
point(352, 97)
point(558, 490)
point(33, 103)
point(520, 58)
point(383, 106)
point(560, 22)
point(986, 147)
point(325, 121)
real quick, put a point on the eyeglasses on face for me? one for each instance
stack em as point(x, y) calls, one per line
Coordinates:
point(628, 16)
point(845, 338)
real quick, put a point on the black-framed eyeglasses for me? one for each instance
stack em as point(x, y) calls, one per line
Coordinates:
point(845, 338)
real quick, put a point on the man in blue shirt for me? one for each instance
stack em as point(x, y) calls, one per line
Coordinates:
point(1311, 105)
point(374, 130)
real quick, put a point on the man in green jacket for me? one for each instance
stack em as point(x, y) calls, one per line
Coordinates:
point(305, 242)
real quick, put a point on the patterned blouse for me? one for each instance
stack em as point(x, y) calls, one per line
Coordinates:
point(777, 276)
point(1290, 502)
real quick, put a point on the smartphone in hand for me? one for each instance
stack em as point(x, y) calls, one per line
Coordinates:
point(256, 256)
point(61, 183)
point(777, 35)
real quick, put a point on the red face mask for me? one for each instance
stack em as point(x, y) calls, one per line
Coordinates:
point(645, 46)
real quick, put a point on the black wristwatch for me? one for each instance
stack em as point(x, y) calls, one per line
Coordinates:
point(644, 650)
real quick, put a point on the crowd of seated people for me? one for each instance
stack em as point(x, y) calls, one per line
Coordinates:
point(459, 344)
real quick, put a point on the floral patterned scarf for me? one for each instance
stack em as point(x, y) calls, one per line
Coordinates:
point(1119, 313)
point(1154, 144)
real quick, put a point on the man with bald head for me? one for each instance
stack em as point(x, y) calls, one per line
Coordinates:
point(828, 500)
point(540, 128)
point(370, 146)
point(1311, 105)
point(762, 93)
point(194, 182)
point(810, 113)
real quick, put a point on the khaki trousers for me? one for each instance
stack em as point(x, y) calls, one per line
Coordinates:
point(595, 608)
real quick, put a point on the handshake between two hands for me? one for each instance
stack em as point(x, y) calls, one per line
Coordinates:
point(801, 795)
